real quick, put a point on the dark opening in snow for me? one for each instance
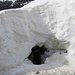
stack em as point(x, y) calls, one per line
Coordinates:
point(37, 55)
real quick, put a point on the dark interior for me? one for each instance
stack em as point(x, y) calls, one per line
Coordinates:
point(35, 55)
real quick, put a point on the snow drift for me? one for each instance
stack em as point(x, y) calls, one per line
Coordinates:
point(45, 22)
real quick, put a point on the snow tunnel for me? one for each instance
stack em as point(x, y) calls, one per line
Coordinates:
point(36, 54)
point(39, 54)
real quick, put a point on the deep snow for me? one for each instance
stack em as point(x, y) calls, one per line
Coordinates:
point(42, 22)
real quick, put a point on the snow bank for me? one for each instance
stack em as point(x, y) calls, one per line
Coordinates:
point(45, 22)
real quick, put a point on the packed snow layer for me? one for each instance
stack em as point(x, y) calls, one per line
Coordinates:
point(57, 71)
point(46, 22)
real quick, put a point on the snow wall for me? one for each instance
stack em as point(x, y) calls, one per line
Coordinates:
point(46, 22)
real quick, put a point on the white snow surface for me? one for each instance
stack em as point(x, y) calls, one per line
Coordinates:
point(42, 22)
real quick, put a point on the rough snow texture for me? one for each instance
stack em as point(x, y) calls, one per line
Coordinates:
point(57, 71)
point(42, 22)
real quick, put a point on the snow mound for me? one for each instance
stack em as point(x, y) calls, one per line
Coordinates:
point(46, 22)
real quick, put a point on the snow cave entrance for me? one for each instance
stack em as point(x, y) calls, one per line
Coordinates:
point(37, 55)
